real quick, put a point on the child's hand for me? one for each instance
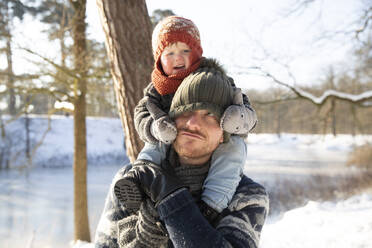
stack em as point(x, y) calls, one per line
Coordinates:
point(237, 118)
point(164, 130)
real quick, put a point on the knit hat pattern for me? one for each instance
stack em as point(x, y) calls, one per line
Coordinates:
point(170, 30)
point(206, 88)
point(175, 29)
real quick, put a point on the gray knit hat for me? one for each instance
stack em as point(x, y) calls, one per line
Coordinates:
point(206, 88)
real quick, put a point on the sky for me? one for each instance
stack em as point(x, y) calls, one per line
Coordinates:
point(245, 34)
point(241, 35)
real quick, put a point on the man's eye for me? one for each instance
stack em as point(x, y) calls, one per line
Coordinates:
point(210, 114)
point(186, 114)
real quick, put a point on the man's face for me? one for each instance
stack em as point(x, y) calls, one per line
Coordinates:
point(199, 134)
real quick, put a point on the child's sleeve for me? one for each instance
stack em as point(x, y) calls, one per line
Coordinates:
point(153, 152)
point(142, 116)
point(224, 175)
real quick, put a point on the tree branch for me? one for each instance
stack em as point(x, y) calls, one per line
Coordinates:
point(361, 99)
point(69, 72)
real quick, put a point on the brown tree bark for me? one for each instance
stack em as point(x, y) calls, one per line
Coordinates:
point(9, 56)
point(81, 223)
point(128, 30)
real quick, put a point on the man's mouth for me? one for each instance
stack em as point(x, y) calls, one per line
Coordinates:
point(191, 134)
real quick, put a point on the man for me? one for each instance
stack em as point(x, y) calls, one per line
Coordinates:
point(160, 205)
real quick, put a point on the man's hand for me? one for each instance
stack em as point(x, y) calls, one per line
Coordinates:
point(164, 130)
point(145, 179)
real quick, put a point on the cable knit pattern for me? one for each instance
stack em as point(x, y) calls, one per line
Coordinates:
point(143, 229)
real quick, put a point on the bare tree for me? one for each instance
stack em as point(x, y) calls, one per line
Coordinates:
point(9, 11)
point(128, 30)
point(81, 222)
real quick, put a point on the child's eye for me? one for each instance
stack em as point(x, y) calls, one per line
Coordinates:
point(170, 54)
point(186, 50)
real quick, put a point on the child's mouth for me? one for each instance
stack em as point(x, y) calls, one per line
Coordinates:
point(182, 67)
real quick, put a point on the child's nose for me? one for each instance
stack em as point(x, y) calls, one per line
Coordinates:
point(179, 57)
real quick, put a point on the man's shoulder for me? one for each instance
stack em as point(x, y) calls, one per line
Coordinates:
point(248, 186)
point(249, 193)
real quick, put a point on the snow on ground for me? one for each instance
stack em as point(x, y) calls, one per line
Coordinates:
point(344, 224)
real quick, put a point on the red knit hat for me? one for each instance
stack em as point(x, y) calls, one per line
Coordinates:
point(168, 31)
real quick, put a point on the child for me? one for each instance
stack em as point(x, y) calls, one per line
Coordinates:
point(177, 53)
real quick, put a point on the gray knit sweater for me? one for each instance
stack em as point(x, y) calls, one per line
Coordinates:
point(240, 223)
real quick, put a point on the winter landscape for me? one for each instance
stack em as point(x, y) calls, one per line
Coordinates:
point(299, 171)
point(305, 65)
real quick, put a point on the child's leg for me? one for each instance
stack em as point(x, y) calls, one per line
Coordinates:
point(225, 173)
point(127, 191)
point(154, 153)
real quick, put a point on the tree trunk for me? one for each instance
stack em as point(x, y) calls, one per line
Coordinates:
point(81, 222)
point(333, 116)
point(128, 41)
point(9, 71)
point(278, 120)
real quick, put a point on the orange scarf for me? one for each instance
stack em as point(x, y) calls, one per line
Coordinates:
point(169, 84)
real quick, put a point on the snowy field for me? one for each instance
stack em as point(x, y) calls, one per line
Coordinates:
point(343, 224)
point(105, 141)
point(297, 170)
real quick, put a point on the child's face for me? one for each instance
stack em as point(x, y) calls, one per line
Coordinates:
point(175, 57)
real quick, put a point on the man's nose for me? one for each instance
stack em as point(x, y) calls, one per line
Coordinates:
point(193, 121)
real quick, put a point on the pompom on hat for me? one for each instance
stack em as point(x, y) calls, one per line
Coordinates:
point(170, 30)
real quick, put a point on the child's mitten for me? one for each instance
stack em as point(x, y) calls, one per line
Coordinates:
point(238, 118)
point(164, 130)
